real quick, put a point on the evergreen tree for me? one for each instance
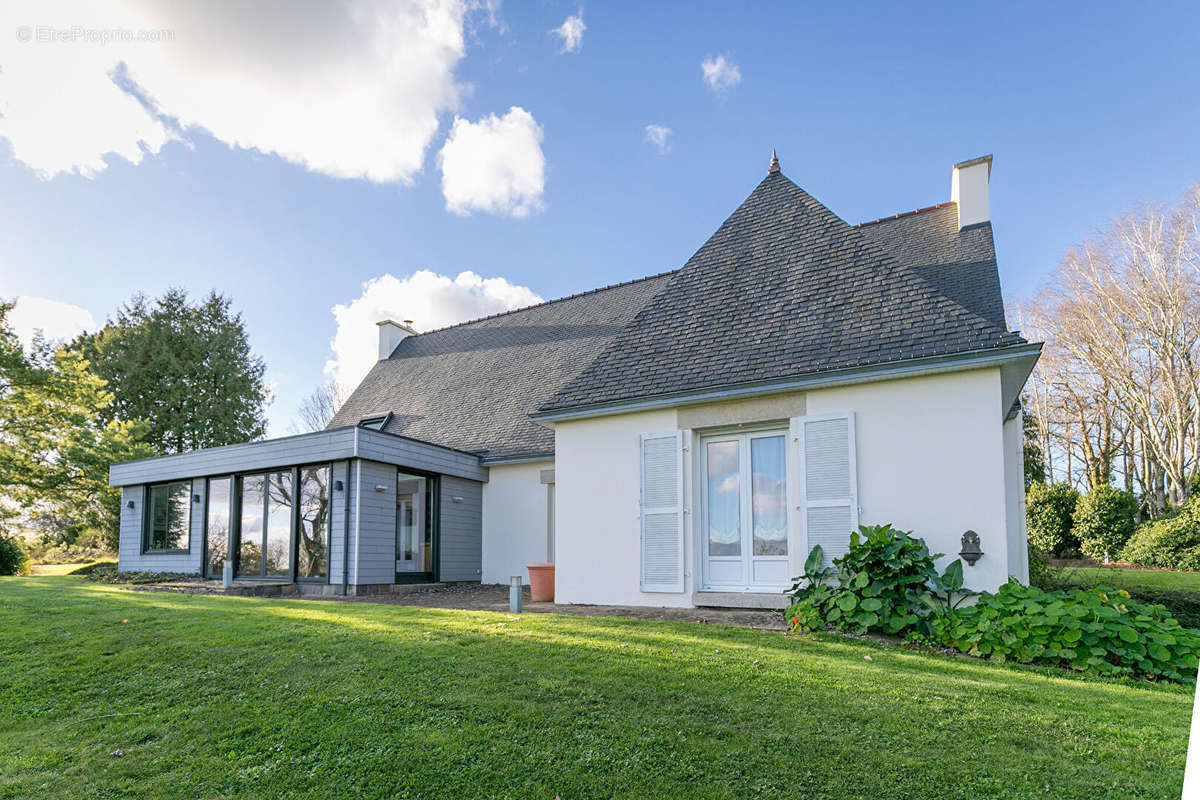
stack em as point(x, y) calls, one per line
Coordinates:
point(186, 370)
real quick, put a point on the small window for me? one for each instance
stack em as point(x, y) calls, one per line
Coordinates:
point(168, 516)
point(375, 423)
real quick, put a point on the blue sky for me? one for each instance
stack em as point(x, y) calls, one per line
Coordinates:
point(1089, 110)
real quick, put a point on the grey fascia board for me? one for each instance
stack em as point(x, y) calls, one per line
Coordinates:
point(338, 444)
point(525, 459)
point(912, 368)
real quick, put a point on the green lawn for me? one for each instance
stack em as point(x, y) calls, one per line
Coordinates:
point(1130, 578)
point(239, 697)
point(66, 569)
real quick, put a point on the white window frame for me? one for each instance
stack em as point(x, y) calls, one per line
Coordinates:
point(744, 437)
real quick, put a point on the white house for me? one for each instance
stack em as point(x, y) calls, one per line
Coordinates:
point(680, 440)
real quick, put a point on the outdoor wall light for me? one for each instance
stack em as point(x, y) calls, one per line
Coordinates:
point(337, 486)
point(379, 487)
point(456, 499)
point(195, 498)
point(970, 552)
point(129, 504)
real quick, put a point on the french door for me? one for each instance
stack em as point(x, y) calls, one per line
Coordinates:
point(744, 525)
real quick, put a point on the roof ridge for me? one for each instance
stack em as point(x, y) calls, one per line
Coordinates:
point(905, 214)
point(548, 302)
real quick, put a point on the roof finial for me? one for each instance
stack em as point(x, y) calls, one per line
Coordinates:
point(771, 170)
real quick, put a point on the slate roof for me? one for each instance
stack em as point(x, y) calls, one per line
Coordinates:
point(783, 288)
point(958, 264)
point(472, 386)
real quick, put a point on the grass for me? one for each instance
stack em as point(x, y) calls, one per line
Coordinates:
point(1132, 578)
point(46, 570)
point(109, 692)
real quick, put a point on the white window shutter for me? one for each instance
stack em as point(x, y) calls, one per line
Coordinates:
point(827, 482)
point(662, 512)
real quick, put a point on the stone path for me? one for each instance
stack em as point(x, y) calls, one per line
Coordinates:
point(474, 597)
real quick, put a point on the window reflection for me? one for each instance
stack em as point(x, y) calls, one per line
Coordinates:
point(724, 499)
point(312, 555)
point(279, 524)
point(769, 501)
point(250, 531)
point(169, 516)
point(218, 525)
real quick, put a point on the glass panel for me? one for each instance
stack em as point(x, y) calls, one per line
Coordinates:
point(312, 555)
point(179, 515)
point(218, 525)
point(413, 553)
point(158, 518)
point(724, 499)
point(769, 500)
point(170, 513)
point(404, 536)
point(279, 523)
point(250, 532)
point(425, 525)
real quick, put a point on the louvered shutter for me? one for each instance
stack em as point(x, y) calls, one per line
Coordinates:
point(827, 482)
point(662, 512)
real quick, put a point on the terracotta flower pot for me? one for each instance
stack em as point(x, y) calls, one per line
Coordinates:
point(541, 582)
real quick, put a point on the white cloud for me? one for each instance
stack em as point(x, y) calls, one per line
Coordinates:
point(349, 90)
point(55, 319)
point(657, 135)
point(720, 73)
point(571, 33)
point(430, 300)
point(494, 165)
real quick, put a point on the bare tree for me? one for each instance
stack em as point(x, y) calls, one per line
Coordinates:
point(318, 409)
point(1119, 381)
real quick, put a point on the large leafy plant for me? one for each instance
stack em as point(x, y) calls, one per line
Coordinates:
point(886, 582)
point(1101, 631)
point(884, 578)
point(811, 593)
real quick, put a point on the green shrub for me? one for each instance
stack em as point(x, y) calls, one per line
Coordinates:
point(106, 572)
point(13, 560)
point(885, 582)
point(1104, 522)
point(1049, 514)
point(1100, 631)
point(1042, 573)
point(1171, 542)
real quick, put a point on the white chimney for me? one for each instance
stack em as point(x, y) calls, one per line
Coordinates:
point(969, 190)
point(391, 333)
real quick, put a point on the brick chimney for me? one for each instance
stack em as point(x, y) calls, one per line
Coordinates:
point(391, 333)
point(969, 190)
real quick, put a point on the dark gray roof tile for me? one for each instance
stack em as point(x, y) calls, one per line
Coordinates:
point(783, 288)
point(472, 386)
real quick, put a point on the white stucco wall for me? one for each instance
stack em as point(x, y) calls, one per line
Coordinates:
point(1014, 491)
point(514, 520)
point(933, 456)
point(597, 523)
point(931, 460)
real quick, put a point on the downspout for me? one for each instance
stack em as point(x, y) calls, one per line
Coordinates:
point(346, 523)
